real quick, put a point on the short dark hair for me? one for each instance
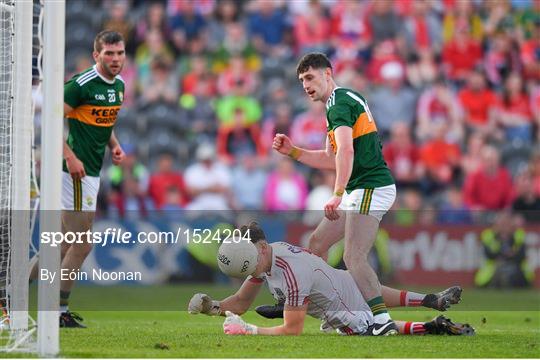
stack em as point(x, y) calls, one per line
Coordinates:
point(107, 37)
point(252, 231)
point(314, 60)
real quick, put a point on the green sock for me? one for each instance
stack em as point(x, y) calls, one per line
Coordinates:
point(377, 306)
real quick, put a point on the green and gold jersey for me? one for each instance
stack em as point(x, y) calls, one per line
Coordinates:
point(346, 107)
point(95, 101)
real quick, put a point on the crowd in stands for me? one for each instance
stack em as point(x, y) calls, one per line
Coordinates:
point(453, 85)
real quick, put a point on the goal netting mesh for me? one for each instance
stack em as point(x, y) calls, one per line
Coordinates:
point(20, 57)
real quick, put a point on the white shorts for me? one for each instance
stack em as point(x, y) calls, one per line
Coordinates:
point(80, 195)
point(359, 325)
point(375, 202)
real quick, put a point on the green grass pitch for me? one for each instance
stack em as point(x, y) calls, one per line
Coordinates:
point(153, 322)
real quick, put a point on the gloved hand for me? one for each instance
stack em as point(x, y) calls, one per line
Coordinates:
point(234, 325)
point(202, 303)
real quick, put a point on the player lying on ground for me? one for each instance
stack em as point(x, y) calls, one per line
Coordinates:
point(306, 283)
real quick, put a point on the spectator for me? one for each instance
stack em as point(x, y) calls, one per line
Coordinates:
point(117, 19)
point(350, 33)
point(186, 25)
point(422, 70)
point(384, 53)
point(478, 103)
point(453, 210)
point(208, 181)
point(236, 42)
point(226, 12)
point(154, 46)
point(312, 28)
point(441, 159)
point(403, 157)
point(422, 28)
point(198, 106)
point(165, 178)
point(198, 71)
point(501, 59)
point(535, 107)
point(286, 188)
point(268, 29)
point(472, 159)
point(439, 104)
point(308, 129)
point(238, 130)
point(530, 53)
point(323, 187)
point(237, 78)
point(239, 138)
point(392, 101)
point(461, 55)
point(527, 202)
point(161, 85)
point(154, 20)
point(408, 208)
point(490, 187)
point(384, 23)
point(248, 183)
point(128, 184)
point(462, 16)
point(514, 112)
point(506, 264)
point(278, 123)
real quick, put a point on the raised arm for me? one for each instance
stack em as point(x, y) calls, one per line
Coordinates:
point(318, 159)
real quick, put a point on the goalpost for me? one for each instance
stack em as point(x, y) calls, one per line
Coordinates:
point(20, 29)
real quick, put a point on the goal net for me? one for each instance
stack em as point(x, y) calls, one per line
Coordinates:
point(19, 30)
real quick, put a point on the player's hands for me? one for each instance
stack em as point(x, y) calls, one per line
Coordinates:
point(282, 144)
point(75, 168)
point(331, 208)
point(202, 303)
point(234, 325)
point(118, 154)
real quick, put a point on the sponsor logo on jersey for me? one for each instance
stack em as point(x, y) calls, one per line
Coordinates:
point(95, 115)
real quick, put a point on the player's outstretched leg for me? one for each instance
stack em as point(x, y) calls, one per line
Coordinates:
point(440, 301)
point(438, 326)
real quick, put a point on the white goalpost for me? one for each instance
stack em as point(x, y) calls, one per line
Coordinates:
point(20, 32)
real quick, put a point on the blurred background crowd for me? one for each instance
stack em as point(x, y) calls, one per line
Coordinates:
point(454, 86)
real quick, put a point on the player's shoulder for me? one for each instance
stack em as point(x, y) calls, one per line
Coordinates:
point(289, 256)
point(85, 76)
point(344, 97)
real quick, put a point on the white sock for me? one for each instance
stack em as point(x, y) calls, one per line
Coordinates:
point(382, 318)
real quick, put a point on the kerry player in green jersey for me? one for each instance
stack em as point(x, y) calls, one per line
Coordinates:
point(92, 100)
point(364, 188)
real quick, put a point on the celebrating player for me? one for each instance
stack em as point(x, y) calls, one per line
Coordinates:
point(364, 188)
point(92, 100)
point(307, 284)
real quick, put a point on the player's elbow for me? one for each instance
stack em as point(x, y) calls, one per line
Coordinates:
point(345, 151)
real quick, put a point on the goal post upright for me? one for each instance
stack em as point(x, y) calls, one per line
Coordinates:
point(22, 148)
point(51, 172)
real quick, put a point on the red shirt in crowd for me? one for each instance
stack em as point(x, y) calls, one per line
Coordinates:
point(461, 58)
point(477, 104)
point(489, 192)
point(402, 161)
point(159, 185)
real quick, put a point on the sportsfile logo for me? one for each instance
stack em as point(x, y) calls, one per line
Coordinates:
point(225, 260)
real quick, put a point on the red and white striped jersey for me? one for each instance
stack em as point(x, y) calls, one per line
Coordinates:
point(298, 277)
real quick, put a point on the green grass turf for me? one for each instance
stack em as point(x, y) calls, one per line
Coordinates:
point(510, 328)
